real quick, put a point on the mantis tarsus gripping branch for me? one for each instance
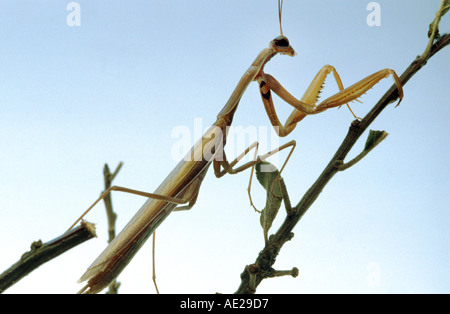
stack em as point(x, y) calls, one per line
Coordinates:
point(182, 185)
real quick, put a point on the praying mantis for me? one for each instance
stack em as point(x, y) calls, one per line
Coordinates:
point(180, 189)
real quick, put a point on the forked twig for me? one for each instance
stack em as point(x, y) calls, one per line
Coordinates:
point(111, 215)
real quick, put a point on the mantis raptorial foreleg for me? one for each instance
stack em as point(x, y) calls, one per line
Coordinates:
point(307, 104)
point(358, 89)
point(267, 83)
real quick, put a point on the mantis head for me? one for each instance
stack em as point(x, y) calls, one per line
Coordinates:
point(281, 45)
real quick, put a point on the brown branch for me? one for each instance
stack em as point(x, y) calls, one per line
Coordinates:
point(41, 253)
point(111, 215)
point(262, 267)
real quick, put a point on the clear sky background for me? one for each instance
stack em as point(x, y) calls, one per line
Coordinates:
point(114, 88)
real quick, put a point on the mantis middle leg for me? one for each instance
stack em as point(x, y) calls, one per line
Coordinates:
point(228, 166)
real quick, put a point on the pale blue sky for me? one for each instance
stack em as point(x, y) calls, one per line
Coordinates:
point(114, 89)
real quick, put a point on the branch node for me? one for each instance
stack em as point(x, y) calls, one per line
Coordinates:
point(338, 164)
point(280, 273)
point(252, 270)
point(290, 236)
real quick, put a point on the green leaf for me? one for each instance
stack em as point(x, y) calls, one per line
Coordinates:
point(373, 139)
point(266, 173)
point(268, 176)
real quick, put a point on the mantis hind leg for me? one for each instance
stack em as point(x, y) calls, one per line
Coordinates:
point(190, 194)
point(136, 192)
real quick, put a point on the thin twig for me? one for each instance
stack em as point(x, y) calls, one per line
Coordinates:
point(280, 273)
point(41, 253)
point(111, 215)
point(433, 32)
point(381, 135)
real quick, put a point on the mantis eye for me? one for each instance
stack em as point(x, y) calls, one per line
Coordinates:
point(281, 41)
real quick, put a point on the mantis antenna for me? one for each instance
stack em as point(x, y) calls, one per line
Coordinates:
point(280, 9)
